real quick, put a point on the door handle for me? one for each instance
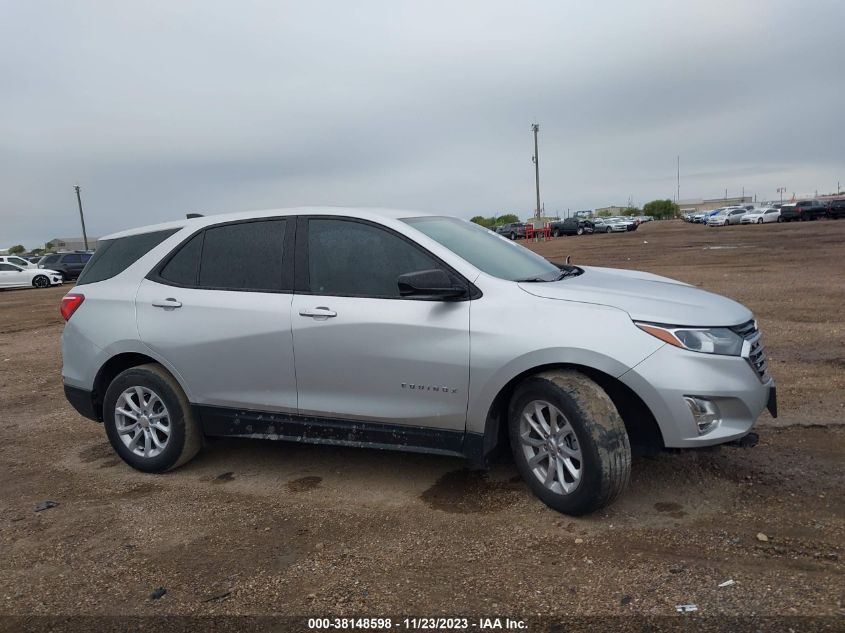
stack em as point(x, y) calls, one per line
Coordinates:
point(318, 312)
point(170, 302)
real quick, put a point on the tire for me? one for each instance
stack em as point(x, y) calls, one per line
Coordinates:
point(579, 231)
point(184, 438)
point(607, 229)
point(513, 236)
point(760, 221)
point(780, 219)
point(589, 425)
point(555, 233)
point(40, 281)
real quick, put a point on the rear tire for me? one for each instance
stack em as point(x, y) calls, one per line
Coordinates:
point(513, 236)
point(587, 441)
point(183, 438)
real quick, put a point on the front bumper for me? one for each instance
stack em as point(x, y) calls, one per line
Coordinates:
point(664, 378)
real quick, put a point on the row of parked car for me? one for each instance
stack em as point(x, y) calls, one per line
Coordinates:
point(576, 226)
point(774, 212)
point(41, 272)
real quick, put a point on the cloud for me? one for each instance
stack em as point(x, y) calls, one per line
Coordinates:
point(162, 108)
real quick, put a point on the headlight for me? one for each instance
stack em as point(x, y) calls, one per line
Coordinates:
point(711, 340)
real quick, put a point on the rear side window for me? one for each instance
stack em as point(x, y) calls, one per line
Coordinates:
point(242, 256)
point(72, 259)
point(115, 256)
point(245, 256)
point(50, 259)
point(183, 268)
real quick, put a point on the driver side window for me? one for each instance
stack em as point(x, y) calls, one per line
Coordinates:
point(348, 258)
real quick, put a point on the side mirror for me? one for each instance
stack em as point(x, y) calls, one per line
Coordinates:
point(430, 284)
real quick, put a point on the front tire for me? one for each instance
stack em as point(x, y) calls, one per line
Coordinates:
point(579, 231)
point(760, 221)
point(569, 442)
point(41, 281)
point(513, 236)
point(555, 233)
point(148, 420)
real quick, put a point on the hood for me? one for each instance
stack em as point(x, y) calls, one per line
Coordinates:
point(645, 297)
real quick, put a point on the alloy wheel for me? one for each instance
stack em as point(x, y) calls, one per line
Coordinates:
point(550, 447)
point(142, 421)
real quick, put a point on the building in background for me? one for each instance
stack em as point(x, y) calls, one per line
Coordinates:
point(701, 204)
point(71, 244)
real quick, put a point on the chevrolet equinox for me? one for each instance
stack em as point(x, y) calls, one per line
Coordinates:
point(402, 330)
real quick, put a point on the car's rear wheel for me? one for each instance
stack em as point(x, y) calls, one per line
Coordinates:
point(41, 281)
point(569, 442)
point(148, 419)
point(513, 236)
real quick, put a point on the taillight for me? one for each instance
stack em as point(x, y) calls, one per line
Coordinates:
point(70, 302)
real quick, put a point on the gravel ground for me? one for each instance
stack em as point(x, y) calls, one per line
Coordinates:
point(275, 528)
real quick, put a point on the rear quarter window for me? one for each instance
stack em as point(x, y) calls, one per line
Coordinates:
point(115, 256)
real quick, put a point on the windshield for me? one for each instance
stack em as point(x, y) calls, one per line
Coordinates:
point(485, 250)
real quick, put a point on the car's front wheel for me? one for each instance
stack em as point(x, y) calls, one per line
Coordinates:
point(148, 419)
point(41, 281)
point(569, 442)
point(513, 236)
point(555, 233)
point(760, 221)
point(579, 231)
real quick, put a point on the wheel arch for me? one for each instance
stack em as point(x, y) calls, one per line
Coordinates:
point(643, 431)
point(116, 364)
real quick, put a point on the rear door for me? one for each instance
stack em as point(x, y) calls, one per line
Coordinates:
point(217, 310)
point(362, 351)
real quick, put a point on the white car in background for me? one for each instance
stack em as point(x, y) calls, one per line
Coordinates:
point(761, 216)
point(606, 225)
point(731, 215)
point(20, 262)
point(12, 276)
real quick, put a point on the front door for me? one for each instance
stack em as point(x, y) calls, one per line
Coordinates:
point(218, 311)
point(11, 276)
point(363, 352)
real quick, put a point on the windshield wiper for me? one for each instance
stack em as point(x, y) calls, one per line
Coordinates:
point(573, 271)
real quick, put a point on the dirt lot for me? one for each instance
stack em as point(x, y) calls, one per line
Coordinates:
point(257, 528)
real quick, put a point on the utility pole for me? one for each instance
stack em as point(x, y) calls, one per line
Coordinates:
point(780, 191)
point(678, 198)
point(81, 216)
point(535, 127)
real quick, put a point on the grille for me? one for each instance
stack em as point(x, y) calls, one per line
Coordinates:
point(755, 354)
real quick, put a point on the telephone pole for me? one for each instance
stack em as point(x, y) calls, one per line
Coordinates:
point(678, 198)
point(535, 127)
point(81, 216)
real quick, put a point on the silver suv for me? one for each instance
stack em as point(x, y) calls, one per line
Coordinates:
point(401, 330)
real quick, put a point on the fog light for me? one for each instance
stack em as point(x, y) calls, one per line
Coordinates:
point(705, 413)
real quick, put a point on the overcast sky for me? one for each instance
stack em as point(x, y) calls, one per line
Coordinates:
point(159, 108)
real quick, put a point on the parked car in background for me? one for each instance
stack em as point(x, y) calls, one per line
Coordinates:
point(761, 216)
point(20, 262)
point(70, 265)
point(571, 226)
point(629, 222)
point(802, 210)
point(836, 209)
point(12, 276)
point(386, 354)
point(726, 217)
point(608, 225)
point(512, 230)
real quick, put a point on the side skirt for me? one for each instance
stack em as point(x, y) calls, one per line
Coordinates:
point(227, 422)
